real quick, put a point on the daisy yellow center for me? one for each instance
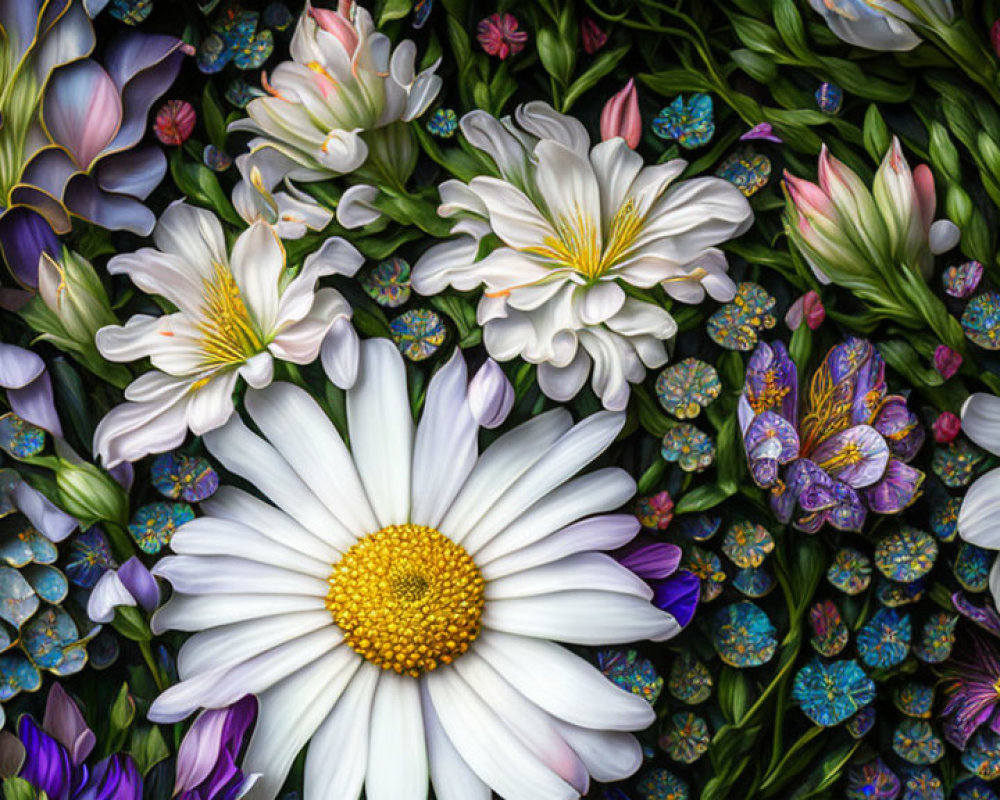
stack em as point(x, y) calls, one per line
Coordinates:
point(579, 245)
point(407, 598)
point(228, 333)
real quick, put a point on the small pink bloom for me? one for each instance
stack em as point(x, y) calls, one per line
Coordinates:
point(499, 36)
point(946, 361)
point(763, 131)
point(923, 184)
point(594, 38)
point(621, 117)
point(808, 309)
point(338, 24)
point(174, 122)
point(946, 427)
point(995, 36)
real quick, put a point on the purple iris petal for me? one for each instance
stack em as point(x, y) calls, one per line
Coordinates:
point(34, 403)
point(857, 456)
point(897, 489)
point(206, 759)
point(65, 723)
point(678, 596)
point(653, 561)
point(115, 778)
point(849, 512)
point(24, 236)
point(47, 764)
point(140, 583)
point(772, 381)
point(769, 438)
point(900, 427)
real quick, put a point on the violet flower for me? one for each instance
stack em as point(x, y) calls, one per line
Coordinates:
point(971, 680)
point(674, 591)
point(206, 759)
point(69, 128)
point(130, 585)
point(845, 453)
point(55, 754)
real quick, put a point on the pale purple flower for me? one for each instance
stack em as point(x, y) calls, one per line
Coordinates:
point(206, 759)
point(762, 131)
point(491, 395)
point(132, 584)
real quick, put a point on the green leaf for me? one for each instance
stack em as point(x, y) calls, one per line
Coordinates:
point(201, 186)
point(393, 9)
point(601, 66)
point(704, 498)
point(876, 134)
point(20, 789)
point(122, 714)
point(789, 24)
point(556, 54)
point(130, 622)
point(211, 114)
point(148, 747)
point(733, 694)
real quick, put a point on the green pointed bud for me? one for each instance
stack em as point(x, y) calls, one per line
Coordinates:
point(72, 291)
point(90, 494)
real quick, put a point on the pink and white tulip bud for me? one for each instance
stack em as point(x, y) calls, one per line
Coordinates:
point(853, 202)
point(621, 117)
point(338, 24)
point(491, 395)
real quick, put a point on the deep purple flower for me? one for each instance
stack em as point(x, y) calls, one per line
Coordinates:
point(946, 361)
point(654, 561)
point(845, 453)
point(206, 759)
point(972, 677)
point(678, 596)
point(55, 754)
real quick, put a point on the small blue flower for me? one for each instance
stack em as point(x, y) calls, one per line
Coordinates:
point(831, 693)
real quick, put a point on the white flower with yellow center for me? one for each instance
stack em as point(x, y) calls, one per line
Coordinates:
point(393, 604)
point(575, 224)
point(235, 315)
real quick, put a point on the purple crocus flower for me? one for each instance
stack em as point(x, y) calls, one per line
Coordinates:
point(56, 751)
point(130, 585)
point(844, 454)
point(674, 591)
point(206, 759)
point(971, 679)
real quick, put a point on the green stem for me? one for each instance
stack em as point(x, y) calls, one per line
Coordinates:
point(154, 670)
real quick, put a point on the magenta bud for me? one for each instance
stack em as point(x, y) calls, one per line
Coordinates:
point(621, 117)
point(946, 427)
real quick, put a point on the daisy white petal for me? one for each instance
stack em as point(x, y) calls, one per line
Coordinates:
point(397, 750)
point(451, 777)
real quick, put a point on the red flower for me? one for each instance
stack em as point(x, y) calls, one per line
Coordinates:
point(946, 427)
point(594, 38)
point(946, 361)
point(499, 36)
point(174, 122)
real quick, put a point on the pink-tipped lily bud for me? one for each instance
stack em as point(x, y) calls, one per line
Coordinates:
point(808, 309)
point(491, 395)
point(946, 361)
point(621, 117)
point(854, 202)
point(593, 36)
point(338, 24)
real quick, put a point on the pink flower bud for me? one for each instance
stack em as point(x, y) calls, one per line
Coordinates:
point(621, 117)
point(809, 199)
point(946, 427)
point(946, 361)
point(808, 309)
point(338, 24)
point(491, 395)
point(995, 36)
point(594, 38)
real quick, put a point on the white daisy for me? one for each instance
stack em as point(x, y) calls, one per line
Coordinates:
point(979, 518)
point(395, 605)
point(576, 225)
point(236, 314)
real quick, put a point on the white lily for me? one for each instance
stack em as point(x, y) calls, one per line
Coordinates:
point(880, 24)
point(291, 212)
point(339, 99)
point(576, 223)
point(235, 315)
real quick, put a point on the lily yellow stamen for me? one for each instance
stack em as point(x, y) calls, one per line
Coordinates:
point(228, 332)
point(577, 243)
